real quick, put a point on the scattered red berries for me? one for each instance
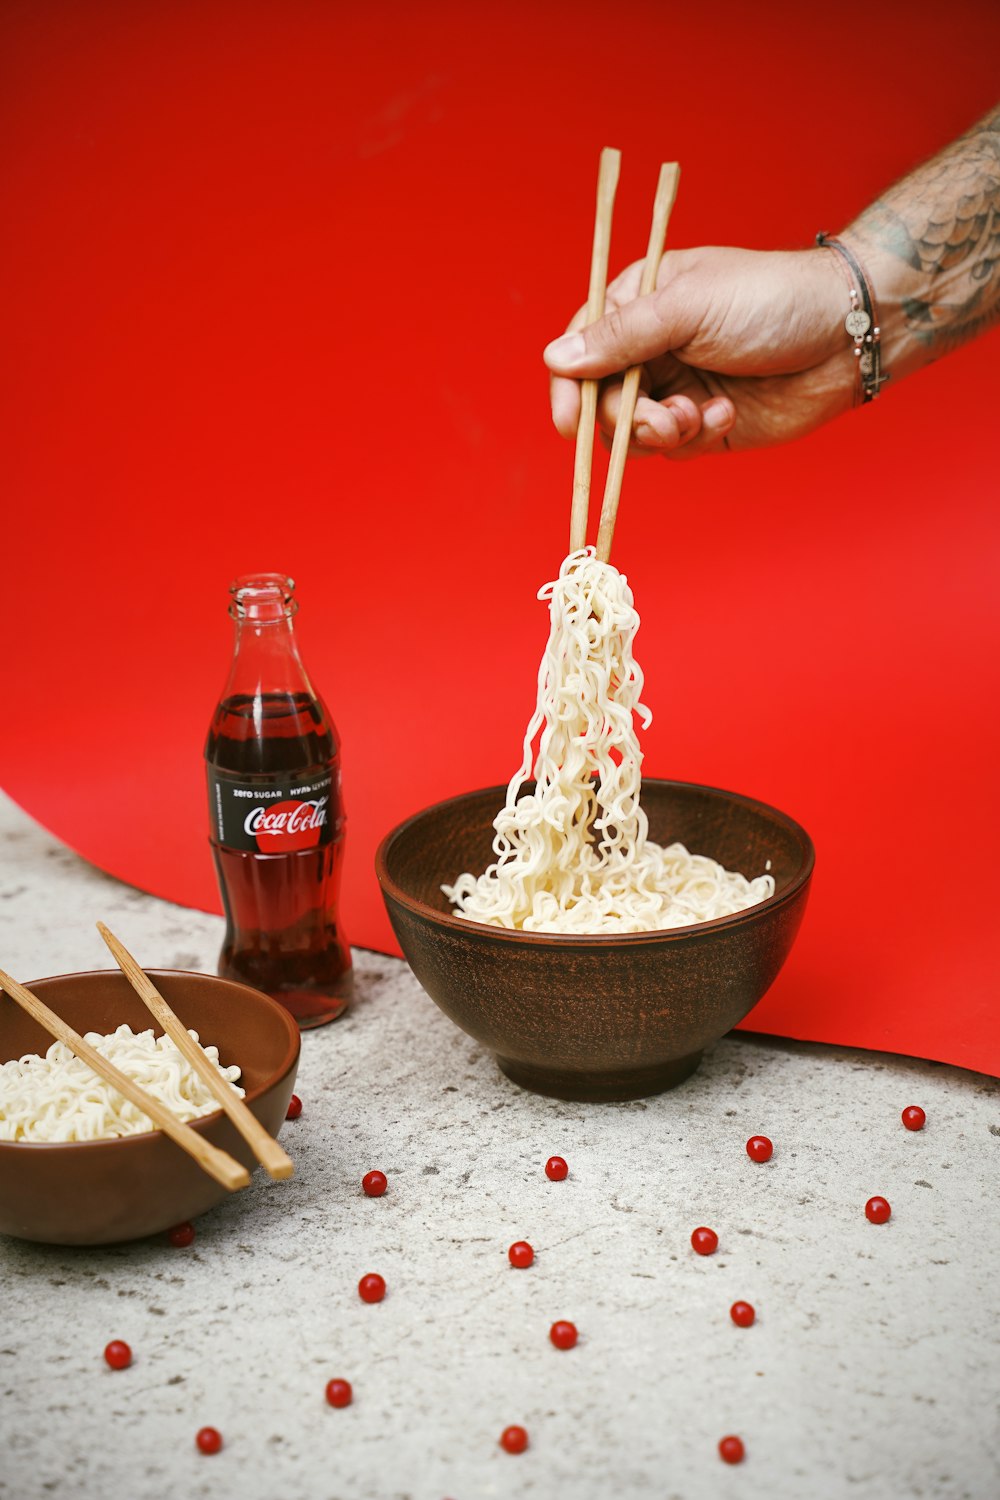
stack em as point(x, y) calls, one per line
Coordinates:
point(731, 1450)
point(181, 1236)
point(374, 1184)
point(294, 1108)
point(759, 1148)
point(704, 1241)
point(913, 1117)
point(555, 1170)
point(877, 1210)
point(514, 1439)
point(209, 1440)
point(371, 1288)
point(118, 1354)
point(563, 1335)
point(520, 1255)
point(742, 1314)
point(339, 1393)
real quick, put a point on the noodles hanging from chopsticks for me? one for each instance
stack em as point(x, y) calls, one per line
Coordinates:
point(573, 855)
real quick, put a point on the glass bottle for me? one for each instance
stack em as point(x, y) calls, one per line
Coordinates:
point(276, 813)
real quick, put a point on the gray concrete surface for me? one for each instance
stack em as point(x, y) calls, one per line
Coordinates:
point(872, 1370)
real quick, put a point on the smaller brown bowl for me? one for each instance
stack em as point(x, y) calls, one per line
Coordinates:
point(101, 1192)
point(601, 1017)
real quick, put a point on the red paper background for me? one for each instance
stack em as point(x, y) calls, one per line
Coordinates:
point(276, 280)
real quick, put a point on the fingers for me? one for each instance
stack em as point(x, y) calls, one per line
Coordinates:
point(564, 395)
point(677, 427)
point(636, 331)
point(659, 426)
point(564, 390)
point(716, 421)
point(629, 334)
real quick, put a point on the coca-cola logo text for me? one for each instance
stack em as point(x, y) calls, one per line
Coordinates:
point(287, 825)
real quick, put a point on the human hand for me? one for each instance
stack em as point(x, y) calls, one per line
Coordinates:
point(739, 349)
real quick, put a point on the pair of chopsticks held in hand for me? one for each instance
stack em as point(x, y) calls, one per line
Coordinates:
point(666, 192)
point(218, 1164)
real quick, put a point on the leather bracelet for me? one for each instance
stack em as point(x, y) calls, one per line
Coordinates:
point(862, 324)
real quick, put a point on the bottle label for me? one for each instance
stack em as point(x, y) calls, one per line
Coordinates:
point(276, 816)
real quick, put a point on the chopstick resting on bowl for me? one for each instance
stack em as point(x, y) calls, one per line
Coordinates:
point(218, 1164)
point(666, 192)
point(275, 1161)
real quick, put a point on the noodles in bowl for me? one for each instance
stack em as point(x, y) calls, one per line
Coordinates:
point(57, 1097)
point(574, 854)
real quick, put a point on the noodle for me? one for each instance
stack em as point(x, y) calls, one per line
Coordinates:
point(573, 855)
point(58, 1098)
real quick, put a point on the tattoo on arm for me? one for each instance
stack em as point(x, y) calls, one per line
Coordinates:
point(943, 222)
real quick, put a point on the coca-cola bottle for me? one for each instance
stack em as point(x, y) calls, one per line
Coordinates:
point(276, 813)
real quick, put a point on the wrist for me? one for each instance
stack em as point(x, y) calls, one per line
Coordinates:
point(862, 323)
point(831, 299)
point(895, 285)
point(831, 288)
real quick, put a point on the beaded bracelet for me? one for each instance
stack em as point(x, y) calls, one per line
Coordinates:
point(862, 324)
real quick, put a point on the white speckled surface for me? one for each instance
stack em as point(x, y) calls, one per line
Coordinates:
point(872, 1370)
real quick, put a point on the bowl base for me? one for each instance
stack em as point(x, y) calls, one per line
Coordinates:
point(601, 1088)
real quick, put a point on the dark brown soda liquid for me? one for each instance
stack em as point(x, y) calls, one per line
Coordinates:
point(282, 932)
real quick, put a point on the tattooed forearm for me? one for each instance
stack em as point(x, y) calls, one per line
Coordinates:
point(940, 228)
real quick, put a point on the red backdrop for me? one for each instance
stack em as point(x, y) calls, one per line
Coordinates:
point(276, 281)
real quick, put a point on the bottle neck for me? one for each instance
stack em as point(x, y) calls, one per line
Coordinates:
point(266, 659)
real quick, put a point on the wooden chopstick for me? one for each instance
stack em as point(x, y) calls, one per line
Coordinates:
point(275, 1161)
point(607, 183)
point(666, 192)
point(218, 1164)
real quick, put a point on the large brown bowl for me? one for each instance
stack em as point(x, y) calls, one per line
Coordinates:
point(99, 1192)
point(597, 1017)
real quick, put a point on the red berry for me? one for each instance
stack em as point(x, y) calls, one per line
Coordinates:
point(371, 1288)
point(118, 1355)
point(731, 1450)
point(209, 1440)
point(520, 1254)
point(913, 1117)
point(555, 1170)
point(704, 1241)
point(514, 1439)
point(877, 1210)
point(759, 1148)
point(338, 1392)
point(181, 1236)
point(742, 1314)
point(374, 1184)
point(294, 1108)
point(563, 1335)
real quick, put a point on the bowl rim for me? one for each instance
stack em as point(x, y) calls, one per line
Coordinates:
point(692, 931)
point(202, 1122)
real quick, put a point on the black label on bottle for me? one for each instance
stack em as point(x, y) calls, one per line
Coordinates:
point(275, 815)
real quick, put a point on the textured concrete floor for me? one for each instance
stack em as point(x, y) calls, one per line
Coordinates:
point(872, 1370)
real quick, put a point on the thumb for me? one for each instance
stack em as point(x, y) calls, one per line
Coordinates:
point(630, 335)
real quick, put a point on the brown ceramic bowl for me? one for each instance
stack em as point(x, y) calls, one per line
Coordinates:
point(100, 1192)
point(597, 1017)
